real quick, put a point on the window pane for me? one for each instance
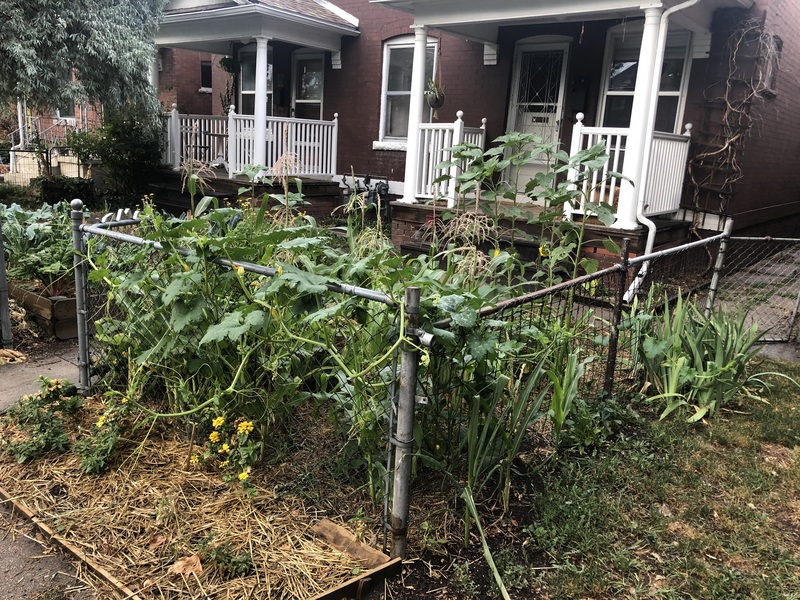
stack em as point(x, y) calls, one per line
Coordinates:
point(248, 104)
point(671, 75)
point(307, 111)
point(623, 75)
point(205, 74)
point(309, 79)
point(400, 61)
point(248, 72)
point(618, 111)
point(666, 112)
point(397, 115)
point(540, 78)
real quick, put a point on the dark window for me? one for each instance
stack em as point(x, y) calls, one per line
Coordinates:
point(205, 74)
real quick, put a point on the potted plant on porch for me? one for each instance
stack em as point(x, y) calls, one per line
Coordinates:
point(434, 96)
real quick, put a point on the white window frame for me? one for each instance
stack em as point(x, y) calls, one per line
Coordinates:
point(386, 142)
point(250, 50)
point(626, 30)
point(305, 54)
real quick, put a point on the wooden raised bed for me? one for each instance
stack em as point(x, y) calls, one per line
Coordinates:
point(55, 315)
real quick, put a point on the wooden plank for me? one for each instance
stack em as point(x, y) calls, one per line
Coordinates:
point(32, 301)
point(64, 308)
point(127, 593)
point(358, 587)
point(340, 538)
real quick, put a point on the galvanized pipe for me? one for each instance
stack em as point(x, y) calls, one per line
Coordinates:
point(79, 253)
point(5, 310)
point(723, 247)
point(403, 439)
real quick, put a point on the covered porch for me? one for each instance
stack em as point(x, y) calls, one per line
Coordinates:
point(636, 105)
point(276, 55)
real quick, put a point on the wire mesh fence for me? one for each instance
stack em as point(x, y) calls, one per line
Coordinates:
point(761, 277)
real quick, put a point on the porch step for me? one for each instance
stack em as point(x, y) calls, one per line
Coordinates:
point(323, 196)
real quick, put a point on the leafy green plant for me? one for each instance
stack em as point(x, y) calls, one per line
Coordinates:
point(696, 361)
point(38, 247)
point(37, 422)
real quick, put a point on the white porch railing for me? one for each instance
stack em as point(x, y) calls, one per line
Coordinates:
point(433, 140)
point(668, 157)
point(230, 141)
point(665, 174)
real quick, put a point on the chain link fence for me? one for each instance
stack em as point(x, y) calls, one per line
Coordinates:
point(761, 276)
point(176, 328)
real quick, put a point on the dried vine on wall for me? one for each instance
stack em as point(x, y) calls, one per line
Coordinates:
point(753, 55)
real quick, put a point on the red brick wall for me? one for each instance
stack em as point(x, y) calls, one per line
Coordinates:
point(770, 188)
point(179, 82)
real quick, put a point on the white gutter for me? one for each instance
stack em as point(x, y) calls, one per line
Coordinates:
point(640, 216)
point(256, 9)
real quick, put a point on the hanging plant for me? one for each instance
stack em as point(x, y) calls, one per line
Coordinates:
point(434, 95)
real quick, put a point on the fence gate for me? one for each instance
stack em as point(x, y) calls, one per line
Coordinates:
point(761, 276)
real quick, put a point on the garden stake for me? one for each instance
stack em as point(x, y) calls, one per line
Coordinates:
point(403, 439)
point(619, 300)
point(79, 252)
point(723, 246)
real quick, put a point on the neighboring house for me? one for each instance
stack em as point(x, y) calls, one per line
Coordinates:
point(637, 72)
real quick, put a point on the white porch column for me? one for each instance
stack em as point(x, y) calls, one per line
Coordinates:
point(22, 121)
point(153, 75)
point(415, 113)
point(640, 132)
point(260, 116)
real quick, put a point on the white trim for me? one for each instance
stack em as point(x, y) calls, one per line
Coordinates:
point(307, 53)
point(636, 29)
point(403, 41)
point(393, 145)
point(540, 43)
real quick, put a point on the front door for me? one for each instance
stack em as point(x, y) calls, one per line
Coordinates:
point(537, 96)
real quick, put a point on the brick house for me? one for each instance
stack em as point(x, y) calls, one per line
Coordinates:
point(570, 71)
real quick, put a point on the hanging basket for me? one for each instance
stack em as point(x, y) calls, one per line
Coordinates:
point(434, 100)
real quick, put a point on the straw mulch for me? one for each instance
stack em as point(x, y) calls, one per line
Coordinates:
point(166, 531)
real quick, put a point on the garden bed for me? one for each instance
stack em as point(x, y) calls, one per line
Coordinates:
point(54, 314)
point(158, 526)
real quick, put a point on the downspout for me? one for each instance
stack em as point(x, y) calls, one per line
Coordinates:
point(640, 216)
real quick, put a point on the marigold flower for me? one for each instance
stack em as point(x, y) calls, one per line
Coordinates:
point(214, 436)
point(245, 427)
point(195, 459)
point(218, 422)
point(243, 476)
point(224, 449)
point(101, 421)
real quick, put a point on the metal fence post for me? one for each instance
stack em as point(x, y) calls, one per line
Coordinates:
point(79, 264)
point(403, 440)
point(616, 317)
point(5, 310)
point(723, 247)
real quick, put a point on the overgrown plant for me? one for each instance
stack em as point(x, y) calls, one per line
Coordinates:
point(698, 362)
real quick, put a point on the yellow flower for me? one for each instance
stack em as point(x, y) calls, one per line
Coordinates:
point(243, 476)
point(280, 270)
point(224, 449)
point(195, 459)
point(245, 427)
point(239, 271)
point(496, 252)
point(214, 436)
point(125, 399)
point(543, 250)
point(218, 422)
point(223, 464)
point(101, 421)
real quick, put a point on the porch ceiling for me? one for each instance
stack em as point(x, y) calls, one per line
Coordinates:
point(480, 20)
point(212, 28)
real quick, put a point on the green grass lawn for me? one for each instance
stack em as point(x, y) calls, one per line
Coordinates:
point(665, 510)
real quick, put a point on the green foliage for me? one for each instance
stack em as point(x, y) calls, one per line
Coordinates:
point(696, 361)
point(108, 44)
point(38, 421)
point(38, 246)
point(231, 448)
point(128, 145)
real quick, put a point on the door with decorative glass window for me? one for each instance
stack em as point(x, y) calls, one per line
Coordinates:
point(537, 97)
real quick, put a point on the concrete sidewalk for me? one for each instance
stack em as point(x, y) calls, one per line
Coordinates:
point(18, 379)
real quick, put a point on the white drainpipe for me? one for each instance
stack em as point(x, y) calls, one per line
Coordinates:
point(651, 119)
